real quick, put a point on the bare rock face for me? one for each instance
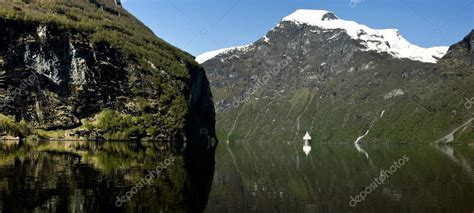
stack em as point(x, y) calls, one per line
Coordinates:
point(118, 3)
point(60, 74)
point(55, 80)
point(301, 77)
point(462, 51)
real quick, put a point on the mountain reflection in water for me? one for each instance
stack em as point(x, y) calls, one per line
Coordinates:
point(73, 176)
point(279, 177)
point(247, 177)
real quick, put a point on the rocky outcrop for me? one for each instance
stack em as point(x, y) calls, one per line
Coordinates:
point(60, 73)
point(462, 51)
point(55, 80)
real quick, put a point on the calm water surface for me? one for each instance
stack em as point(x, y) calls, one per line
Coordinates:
point(278, 177)
point(251, 177)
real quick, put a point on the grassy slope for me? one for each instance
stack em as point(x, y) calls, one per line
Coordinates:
point(105, 23)
point(432, 106)
point(108, 23)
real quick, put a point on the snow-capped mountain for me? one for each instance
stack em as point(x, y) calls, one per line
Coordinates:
point(208, 55)
point(380, 40)
point(341, 82)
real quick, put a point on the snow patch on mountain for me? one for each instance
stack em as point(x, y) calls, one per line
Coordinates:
point(394, 93)
point(381, 40)
point(209, 55)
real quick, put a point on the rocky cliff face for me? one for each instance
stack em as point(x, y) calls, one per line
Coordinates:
point(54, 80)
point(462, 51)
point(341, 81)
point(90, 67)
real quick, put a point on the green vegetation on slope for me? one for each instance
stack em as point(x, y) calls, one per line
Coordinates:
point(431, 107)
point(154, 76)
point(104, 23)
point(16, 129)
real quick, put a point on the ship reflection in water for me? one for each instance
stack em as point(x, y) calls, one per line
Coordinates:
point(307, 145)
point(247, 177)
point(260, 176)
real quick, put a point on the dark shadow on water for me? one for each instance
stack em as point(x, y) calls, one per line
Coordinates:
point(200, 170)
point(81, 176)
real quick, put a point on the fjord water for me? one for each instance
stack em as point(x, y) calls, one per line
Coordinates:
point(251, 177)
point(279, 177)
point(80, 176)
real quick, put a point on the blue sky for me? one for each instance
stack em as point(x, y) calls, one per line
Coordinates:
point(197, 26)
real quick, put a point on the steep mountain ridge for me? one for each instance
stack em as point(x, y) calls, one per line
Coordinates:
point(380, 40)
point(462, 50)
point(89, 69)
point(304, 77)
